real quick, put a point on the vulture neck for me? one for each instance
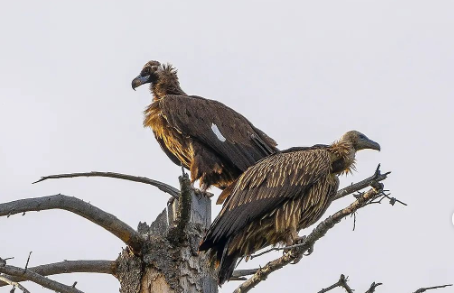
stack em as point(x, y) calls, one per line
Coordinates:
point(167, 84)
point(343, 157)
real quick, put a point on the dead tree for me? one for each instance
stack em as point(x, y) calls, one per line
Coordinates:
point(163, 256)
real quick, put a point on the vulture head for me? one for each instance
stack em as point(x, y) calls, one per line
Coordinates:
point(359, 141)
point(149, 74)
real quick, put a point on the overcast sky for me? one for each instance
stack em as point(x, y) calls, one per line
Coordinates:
point(304, 72)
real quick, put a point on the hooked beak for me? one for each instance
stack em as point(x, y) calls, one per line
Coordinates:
point(370, 144)
point(140, 80)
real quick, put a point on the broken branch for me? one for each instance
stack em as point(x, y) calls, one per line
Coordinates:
point(341, 283)
point(239, 274)
point(178, 234)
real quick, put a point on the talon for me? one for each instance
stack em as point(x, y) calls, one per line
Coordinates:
point(309, 251)
point(299, 240)
point(296, 260)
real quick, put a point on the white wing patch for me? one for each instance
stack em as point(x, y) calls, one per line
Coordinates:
point(218, 133)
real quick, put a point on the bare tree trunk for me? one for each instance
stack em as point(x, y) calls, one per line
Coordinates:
point(169, 261)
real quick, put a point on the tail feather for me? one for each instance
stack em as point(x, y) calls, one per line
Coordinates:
point(218, 255)
point(227, 266)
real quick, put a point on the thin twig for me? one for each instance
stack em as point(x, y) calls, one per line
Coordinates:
point(71, 266)
point(108, 221)
point(28, 260)
point(38, 279)
point(14, 284)
point(377, 177)
point(278, 249)
point(309, 241)
point(354, 221)
point(421, 290)
point(162, 186)
point(393, 200)
point(265, 252)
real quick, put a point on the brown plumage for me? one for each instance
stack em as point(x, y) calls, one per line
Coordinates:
point(280, 195)
point(210, 139)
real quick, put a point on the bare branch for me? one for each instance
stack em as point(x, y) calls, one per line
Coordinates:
point(38, 279)
point(421, 290)
point(14, 284)
point(74, 266)
point(108, 221)
point(162, 186)
point(372, 287)
point(341, 283)
point(377, 177)
point(309, 241)
point(240, 274)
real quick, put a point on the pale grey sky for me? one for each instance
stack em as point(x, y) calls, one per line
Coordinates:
point(303, 71)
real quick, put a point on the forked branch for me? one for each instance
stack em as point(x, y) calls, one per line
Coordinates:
point(342, 283)
point(162, 186)
point(108, 221)
point(66, 267)
point(377, 177)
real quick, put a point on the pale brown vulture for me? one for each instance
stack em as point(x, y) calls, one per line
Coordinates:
point(278, 196)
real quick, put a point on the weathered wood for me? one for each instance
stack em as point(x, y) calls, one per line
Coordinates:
point(160, 225)
point(170, 260)
point(200, 210)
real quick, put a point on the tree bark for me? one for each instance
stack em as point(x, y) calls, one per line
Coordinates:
point(170, 261)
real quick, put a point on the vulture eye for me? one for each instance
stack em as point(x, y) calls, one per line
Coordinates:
point(362, 136)
point(145, 71)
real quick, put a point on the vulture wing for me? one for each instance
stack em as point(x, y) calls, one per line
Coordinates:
point(264, 187)
point(218, 127)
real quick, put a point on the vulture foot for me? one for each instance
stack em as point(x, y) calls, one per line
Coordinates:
point(301, 240)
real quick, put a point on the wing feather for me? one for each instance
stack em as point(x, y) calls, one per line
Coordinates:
point(267, 185)
point(169, 154)
point(194, 117)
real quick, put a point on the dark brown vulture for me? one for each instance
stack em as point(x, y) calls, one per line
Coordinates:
point(210, 139)
point(280, 195)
